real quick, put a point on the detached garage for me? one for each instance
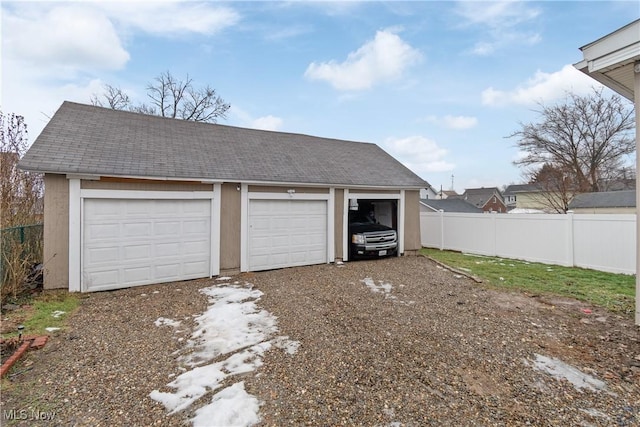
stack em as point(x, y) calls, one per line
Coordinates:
point(132, 199)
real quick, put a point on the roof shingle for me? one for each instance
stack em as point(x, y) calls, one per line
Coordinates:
point(84, 139)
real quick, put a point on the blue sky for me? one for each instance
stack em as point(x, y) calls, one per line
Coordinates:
point(439, 85)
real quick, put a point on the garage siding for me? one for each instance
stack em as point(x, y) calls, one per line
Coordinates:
point(56, 232)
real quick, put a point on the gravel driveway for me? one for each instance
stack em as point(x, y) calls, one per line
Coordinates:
point(393, 342)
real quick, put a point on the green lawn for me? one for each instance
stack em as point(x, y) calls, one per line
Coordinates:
point(47, 310)
point(614, 292)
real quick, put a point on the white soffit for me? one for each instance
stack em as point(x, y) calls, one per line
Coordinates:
point(610, 59)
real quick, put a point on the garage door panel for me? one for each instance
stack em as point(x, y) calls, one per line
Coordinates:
point(166, 228)
point(102, 278)
point(192, 269)
point(197, 247)
point(168, 271)
point(148, 241)
point(137, 274)
point(101, 230)
point(285, 233)
point(195, 227)
point(135, 229)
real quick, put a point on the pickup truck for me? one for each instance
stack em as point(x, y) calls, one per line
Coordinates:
point(370, 239)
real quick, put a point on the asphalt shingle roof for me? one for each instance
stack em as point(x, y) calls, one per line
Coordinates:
point(605, 199)
point(451, 205)
point(84, 139)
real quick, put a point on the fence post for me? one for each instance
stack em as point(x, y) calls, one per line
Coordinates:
point(571, 258)
point(21, 235)
point(441, 229)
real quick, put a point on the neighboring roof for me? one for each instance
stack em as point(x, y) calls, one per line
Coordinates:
point(84, 139)
point(450, 205)
point(479, 196)
point(520, 188)
point(606, 199)
point(611, 58)
point(450, 193)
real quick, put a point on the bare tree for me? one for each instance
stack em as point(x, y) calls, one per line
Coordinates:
point(585, 138)
point(169, 97)
point(20, 191)
point(21, 208)
point(555, 188)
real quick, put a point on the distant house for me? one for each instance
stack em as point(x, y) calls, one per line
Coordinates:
point(531, 198)
point(448, 205)
point(445, 194)
point(428, 193)
point(606, 202)
point(488, 199)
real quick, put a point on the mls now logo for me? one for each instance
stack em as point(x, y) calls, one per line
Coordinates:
point(23, 414)
point(15, 414)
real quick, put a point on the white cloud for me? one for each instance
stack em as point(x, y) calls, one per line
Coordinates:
point(383, 58)
point(503, 21)
point(496, 14)
point(65, 37)
point(542, 87)
point(267, 123)
point(454, 122)
point(419, 154)
point(172, 17)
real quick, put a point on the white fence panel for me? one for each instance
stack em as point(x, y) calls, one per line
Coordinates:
point(533, 237)
point(605, 242)
point(601, 242)
point(469, 233)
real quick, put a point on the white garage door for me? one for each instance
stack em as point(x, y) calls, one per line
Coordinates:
point(286, 233)
point(130, 242)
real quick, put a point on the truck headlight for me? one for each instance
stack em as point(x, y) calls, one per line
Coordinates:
point(358, 239)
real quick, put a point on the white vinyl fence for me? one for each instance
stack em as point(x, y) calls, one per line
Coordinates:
point(605, 242)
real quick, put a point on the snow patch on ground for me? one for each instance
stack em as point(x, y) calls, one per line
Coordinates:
point(163, 321)
point(380, 287)
point(232, 406)
point(384, 288)
point(230, 338)
point(56, 314)
point(560, 370)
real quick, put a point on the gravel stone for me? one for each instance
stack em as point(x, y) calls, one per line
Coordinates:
point(435, 348)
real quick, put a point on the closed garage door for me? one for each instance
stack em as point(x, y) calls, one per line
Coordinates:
point(130, 242)
point(286, 233)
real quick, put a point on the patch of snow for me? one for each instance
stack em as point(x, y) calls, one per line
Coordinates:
point(284, 343)
point(232, 322)
point(560, 370)
point(51, 329)
point(56, 314)
point(595, 413)
point(381, 287)
point(192, 385)
point(155, 292)
point(232, 406)
point(458, 276)
point(163, 321)
point(233, 326)
point(223, 278)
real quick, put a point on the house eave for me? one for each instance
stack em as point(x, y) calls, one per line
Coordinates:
point(610, 59)
point(88, 176)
